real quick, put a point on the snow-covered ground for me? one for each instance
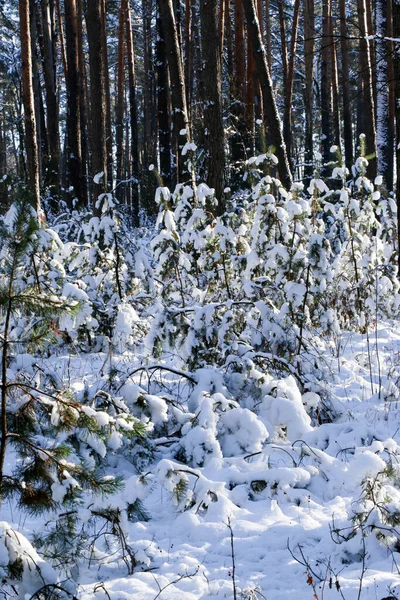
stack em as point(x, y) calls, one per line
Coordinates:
point(280, 522)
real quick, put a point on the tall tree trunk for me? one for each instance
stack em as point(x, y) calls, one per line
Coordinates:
point(371, 44)
point(214, 138)
point(308, 18)
point(239, 86)
point(83, 102)
point(366, 107)
point(221, 28)
point(97, 97)
point(52, 176)
point(347, 119)
point(180, 120)
point(61, 34)
point(164, 134)
point(133, 120)
point(28, 102)
point(326, 85)
point(382, 95)
point(188, 56)
point(258, 111)
point(392, 102)
point(268, 36)
point(107, 94)
point(285, 72)
point(250, 97)
point(37, 98)
point(147, 53)
point(270, 109)
point(289, 70)
point(119, 103)
point(334, 85)
point(73, 150)
point(396, 66)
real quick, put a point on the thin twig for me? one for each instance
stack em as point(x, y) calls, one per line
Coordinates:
point(233, 559)
point(186, 576)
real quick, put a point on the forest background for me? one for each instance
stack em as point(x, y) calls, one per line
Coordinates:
point(116, 88)
point(199, 299)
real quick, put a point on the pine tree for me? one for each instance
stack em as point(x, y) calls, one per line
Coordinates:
point(60, 443)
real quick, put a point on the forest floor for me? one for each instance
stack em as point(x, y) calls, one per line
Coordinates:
point(273, 525)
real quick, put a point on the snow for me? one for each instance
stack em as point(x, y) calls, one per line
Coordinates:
point(270, 503)
point(269, 401)
point(98, 177)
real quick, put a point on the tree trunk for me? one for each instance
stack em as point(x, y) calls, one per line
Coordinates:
point(188, 56)
point(52, 176)
point(119, 104)
point(73, 150)
point(268, 36)
point(147, 52)
point(61, 34)
point(97, 97)
point(326, 86)
point(365, 108)
point(308, 18)
point(250, 98)
point(335, 85)
point(133, 120)
point(214, 138)
point(228, 42)
point(28, 102)
point(289, 77)
point(107, 97)
point(180, 120)
point(239, 86)
point(41, 135)
point(392, 102)
point(396, 66)
point(347, 119)
point(382, 97)
point(164, 134)
point(83, 103)
point(271, 115)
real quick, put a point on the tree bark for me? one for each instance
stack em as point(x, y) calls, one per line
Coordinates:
point(164, 133)
point(188, 56)
point(61, 34)
point(396, 67)
point(180, 120)
point(107, 95)
point(334, 84)
point(392, 102)
point(41, 134)
point(97, 97)
point(73, 149)
point(52, 176)
point(288, 62)
point(83, 102)
point(347, 118)
point(268, 36)
point(366, 106)
point(271, 115)
point(214, 136)
point(133, 120)
point(119, 103)
point(28, 103)
point(326, 86)
point(382, 93)
point(239, 86)
point(308, 18)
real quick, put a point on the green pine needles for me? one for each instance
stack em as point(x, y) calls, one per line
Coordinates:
point(57, 445)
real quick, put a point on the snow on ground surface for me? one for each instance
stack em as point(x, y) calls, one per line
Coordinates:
point(286, 505)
